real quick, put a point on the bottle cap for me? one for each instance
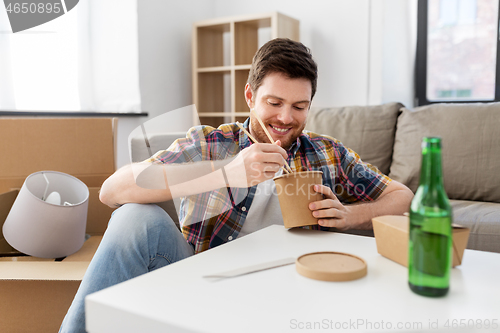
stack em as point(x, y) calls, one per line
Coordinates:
point(331, 266)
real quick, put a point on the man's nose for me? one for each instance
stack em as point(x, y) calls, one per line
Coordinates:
point(286, 115)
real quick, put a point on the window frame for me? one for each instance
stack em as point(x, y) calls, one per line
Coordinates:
point(421, 62)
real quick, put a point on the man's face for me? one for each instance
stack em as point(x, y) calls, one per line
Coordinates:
point(282, 104)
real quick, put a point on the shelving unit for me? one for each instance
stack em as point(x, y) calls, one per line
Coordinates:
point(222, 55)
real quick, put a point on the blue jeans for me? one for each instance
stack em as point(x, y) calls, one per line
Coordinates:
point(139, 239)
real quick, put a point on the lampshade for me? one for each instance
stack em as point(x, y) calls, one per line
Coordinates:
point(49, 217)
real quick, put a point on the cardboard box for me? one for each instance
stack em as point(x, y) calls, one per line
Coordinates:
point(36, 293)
point(392, 237)
point(81, 147)
point(6, 201)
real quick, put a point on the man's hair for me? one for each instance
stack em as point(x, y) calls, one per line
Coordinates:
point(285, 56)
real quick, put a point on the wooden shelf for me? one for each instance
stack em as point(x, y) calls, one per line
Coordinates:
point(214, 69)
point(223, 49)
point(213, 114)
point(240, 67)
point(222, 114)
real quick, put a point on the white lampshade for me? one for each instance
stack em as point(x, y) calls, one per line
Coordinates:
point(49, 217)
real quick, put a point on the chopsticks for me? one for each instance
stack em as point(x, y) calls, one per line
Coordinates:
point(285, 168)
point(253, 139)
point(262, 125)
point(246, 132)
point(252, 110)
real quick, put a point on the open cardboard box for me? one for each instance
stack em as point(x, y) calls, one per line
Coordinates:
point(392, 237)
point(36, 293)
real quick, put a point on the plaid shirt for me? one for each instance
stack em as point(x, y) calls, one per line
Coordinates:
point(213, 218)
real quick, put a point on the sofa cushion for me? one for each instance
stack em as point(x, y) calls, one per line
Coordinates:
point(470, 148)
point(483, 220)
point(142, 148)
point(368, 130)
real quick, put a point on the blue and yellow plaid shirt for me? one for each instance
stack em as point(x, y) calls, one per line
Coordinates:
point(213, 218)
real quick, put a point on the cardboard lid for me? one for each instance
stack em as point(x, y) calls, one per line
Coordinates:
point(331, 266)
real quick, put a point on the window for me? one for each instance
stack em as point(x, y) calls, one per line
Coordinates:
point(458, 51)
point(44, 65)
point(453, 12)
point(85, 60)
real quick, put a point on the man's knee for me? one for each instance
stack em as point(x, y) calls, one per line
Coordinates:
point(146, 231)
point(133, 215)
point(134, 222)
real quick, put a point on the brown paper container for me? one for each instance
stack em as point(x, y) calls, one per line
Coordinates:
point(295, 192)
point(331, 266)
point(392, 233)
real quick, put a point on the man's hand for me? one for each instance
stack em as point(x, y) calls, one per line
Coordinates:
point(255, 164)
point(329, 211)
point(149, 182)
point(394, 200)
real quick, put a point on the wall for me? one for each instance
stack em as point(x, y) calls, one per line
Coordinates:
point(164, 35)
point(393, 36)
point(363, 49)
point(336, 33)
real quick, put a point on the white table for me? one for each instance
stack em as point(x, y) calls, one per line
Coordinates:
point(177, 298)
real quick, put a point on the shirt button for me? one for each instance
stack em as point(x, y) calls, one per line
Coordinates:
point(244, 209)
point(230, 238)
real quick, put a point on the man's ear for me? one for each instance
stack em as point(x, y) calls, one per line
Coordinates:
point(249, 96)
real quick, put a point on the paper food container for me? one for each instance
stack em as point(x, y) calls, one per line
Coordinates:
point(295, 193)
point(391, 236)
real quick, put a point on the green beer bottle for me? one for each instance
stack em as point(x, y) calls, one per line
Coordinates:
point(430, 250)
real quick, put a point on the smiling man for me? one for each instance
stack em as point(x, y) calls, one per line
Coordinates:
point(283, 104)
point(225, 181)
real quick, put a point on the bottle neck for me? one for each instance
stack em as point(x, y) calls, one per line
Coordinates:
point(431, 173)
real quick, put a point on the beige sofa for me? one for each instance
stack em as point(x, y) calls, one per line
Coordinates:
point(389, 137)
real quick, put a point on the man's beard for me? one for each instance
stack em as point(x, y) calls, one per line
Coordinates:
point(286, 142)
